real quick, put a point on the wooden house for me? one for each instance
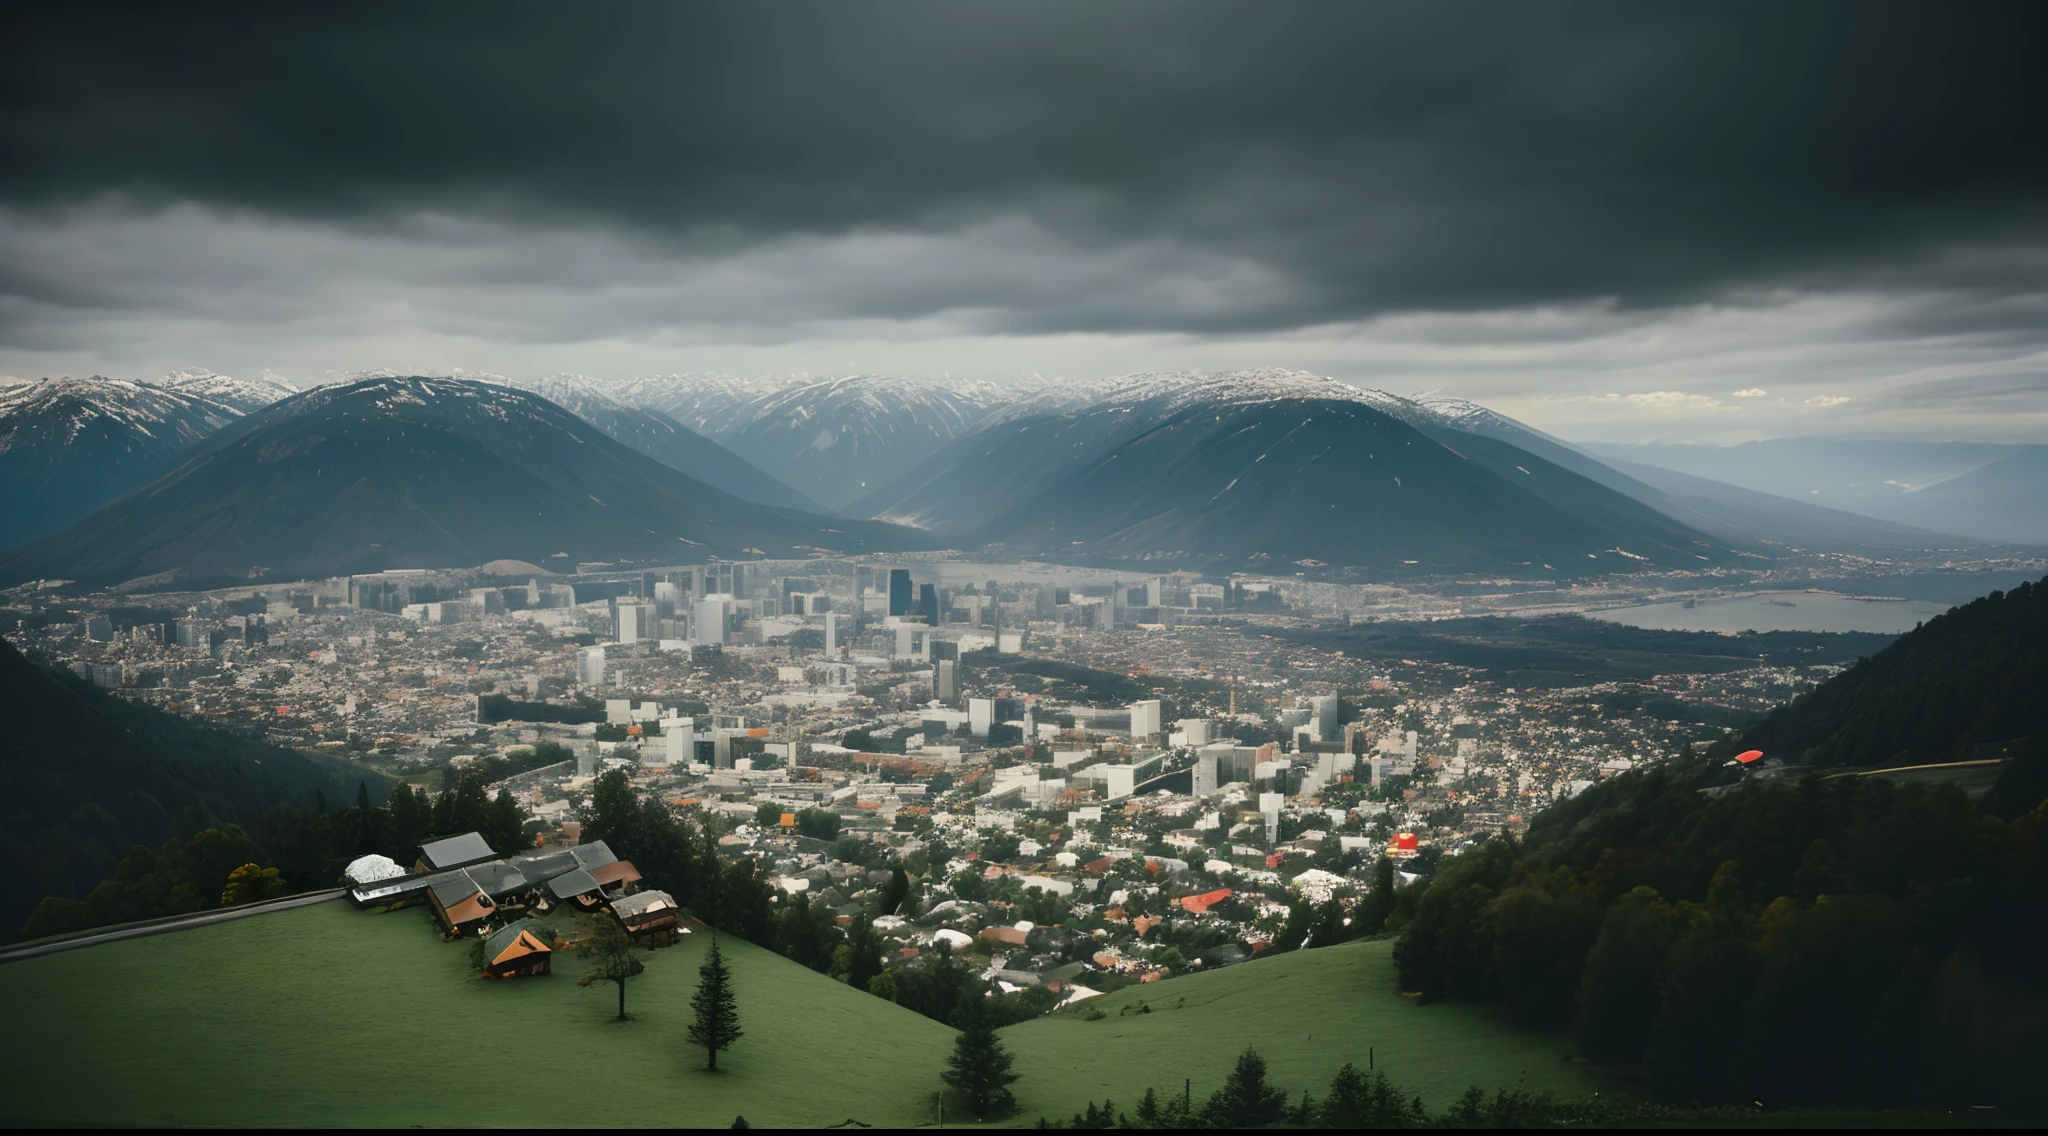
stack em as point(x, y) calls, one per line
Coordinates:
point(514, 951)
point(459, 902)
point(649, 913)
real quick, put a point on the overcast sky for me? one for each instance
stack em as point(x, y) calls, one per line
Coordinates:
point(1622, 222)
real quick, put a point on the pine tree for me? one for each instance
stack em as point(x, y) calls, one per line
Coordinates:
point(979, 1066)
point(718, 1019)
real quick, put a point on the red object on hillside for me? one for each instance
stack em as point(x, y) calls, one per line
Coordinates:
point(1751, 755)
point(1197, 904)
point(1406, 842)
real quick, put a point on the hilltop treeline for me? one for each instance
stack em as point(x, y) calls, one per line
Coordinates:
point(303, 850)
point(85, 777)
point(1978, 673)
point(1839, 940)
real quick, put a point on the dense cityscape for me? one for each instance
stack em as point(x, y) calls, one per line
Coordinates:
point(1106, 756)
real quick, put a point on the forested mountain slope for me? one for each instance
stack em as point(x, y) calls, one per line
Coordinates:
point(84, 777)
point(1978, 673)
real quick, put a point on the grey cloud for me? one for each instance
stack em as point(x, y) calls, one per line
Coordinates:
point(1070, 167)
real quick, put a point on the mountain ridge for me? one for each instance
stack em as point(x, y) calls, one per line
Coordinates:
point(419, 472)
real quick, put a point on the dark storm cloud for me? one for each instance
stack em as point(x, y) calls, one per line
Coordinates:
point(1351, 159)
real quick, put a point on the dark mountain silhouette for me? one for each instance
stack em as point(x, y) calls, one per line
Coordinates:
point(1234, 474)
point(416, 473)
point(85, 777)
point(68, 446)
point(1976, 674)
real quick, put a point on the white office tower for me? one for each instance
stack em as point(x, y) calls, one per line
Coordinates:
point(1328, 710)
point(831, 634)
point(1196, 731)
point(1269, 808)
point(586, 759)
point(636, 622)
point(946, 681)
point(590, 666)
point(710, 618)
point(981, 714)
point(903, 641)
point(1145, 718)
point(679, 740)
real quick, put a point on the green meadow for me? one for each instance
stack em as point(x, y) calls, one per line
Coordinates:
point(324, 1015)
point(1307, 1013)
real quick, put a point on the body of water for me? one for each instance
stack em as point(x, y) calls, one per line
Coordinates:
point(1780, 611)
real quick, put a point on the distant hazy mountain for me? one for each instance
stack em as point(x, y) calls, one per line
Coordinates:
point(1276, 469)
point(419, 472)
point(667, 441)
point(2005, 500)
point(838, 439)
point(1886, 480)
point(709, 404)
point(245, 395)
point(1723, 511)
point(68, 446)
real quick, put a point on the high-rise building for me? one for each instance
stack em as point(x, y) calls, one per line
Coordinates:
point(900, 594)
point(590, 666)
point(831, 635)
point(636, 622)
point(667, 597)
point(679, 739)
point(1145, 718)
point(1328, 710)
point(946, 681)
point(981, 714)
point(107, 675)
point(928, 603)
point(191, 633)
point(710, 616)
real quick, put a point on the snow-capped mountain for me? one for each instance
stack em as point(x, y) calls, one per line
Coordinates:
point(1274, 467)
point(838, 438)
point(665, 440)
point(420, 473)
point(245, 395)
point(68, 446)
point(709, 404)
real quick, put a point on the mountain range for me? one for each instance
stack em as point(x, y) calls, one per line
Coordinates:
point(1276, 468)
point(1985, 491)
point(419, 472)
point(68, 446)
point(667, 441)
point(1264, 470)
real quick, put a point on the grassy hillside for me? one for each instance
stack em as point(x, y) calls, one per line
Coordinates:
point(325, 1015)
point(1307, 1012)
